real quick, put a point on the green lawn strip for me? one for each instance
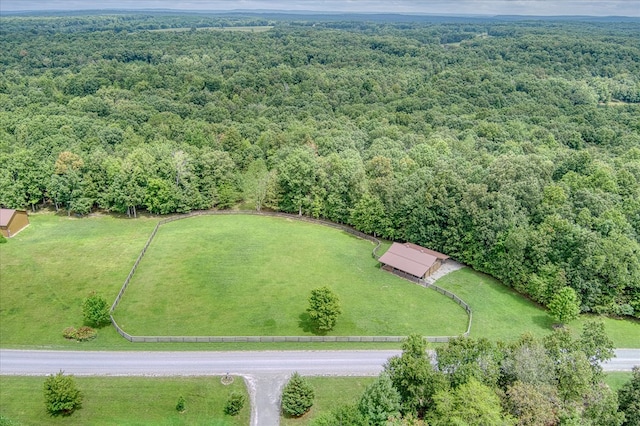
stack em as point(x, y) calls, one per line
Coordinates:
point(616, 379)
point(501, 313)
point(52, 265)
point(248, 275)
point(330, 392)
point(126, 401)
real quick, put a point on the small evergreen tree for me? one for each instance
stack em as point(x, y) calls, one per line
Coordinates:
point(324, 308)
point(297, 396)
point(234, 404)
point(61, 394)
point(95, 311)
point(181, 405)
point(564, 305)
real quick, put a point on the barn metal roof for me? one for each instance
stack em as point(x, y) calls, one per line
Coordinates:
point(5, 216)
point(411, 258)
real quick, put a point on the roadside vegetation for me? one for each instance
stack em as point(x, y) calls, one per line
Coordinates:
point(330, 393)
point(127, 400)
point(552, 380)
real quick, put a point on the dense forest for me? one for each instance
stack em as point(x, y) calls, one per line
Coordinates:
point(513, 147)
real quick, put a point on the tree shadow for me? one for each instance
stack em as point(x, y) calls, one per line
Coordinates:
point(543, 321)
point(308, 326)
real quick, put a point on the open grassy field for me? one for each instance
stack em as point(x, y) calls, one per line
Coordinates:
point(48, 268)
point(617, 379)
point(500, 313)
point(249, 275)
point(330, 392)
point(126, 401)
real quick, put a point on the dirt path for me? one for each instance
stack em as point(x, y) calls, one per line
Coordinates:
point(448, 266)
point(264, 391)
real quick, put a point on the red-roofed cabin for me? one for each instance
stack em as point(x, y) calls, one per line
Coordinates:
point(412, 259)
point(12, 221)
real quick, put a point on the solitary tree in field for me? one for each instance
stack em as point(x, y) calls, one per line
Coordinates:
point(95, 311)
point(324, 308)
point(564, 305)
point(61, 394)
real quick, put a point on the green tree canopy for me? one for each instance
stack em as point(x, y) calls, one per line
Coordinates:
point(564, 306)
point(324, 308)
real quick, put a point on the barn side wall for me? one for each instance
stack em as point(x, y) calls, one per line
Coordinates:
point(17, 223)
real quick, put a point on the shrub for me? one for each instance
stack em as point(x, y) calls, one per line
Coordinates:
point(85, 333)
point(180, 406)
point(234, 403)
point(2, 239)
point(81, 334)
point(69, 333)
point(61, 394)
point(297, 396)
point(95, 311)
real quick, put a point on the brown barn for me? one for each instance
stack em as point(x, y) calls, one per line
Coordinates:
point(412, 259)
point(12, 221)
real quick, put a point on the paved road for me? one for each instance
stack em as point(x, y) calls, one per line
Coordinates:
point(265, 371)
point(337, 363)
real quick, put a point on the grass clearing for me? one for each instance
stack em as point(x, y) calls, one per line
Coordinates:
point(47, 269)
point(251, 275)
point(501, 313)
point(126, 401)
point(330, 392)
point(51, 266)
point(616, 379)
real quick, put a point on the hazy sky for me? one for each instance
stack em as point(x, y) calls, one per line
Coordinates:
point(491, 7)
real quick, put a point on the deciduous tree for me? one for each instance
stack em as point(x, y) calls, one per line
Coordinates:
point(324, 308)
point(564, 306)
point(95, 310)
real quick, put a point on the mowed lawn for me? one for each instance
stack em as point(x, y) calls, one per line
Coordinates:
point(330, 393)
point(126, 401)
point(501, 313)
point(51, 266)
point(249, 275)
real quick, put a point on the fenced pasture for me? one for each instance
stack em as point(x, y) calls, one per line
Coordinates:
point(246, 275)
point(50, 267)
